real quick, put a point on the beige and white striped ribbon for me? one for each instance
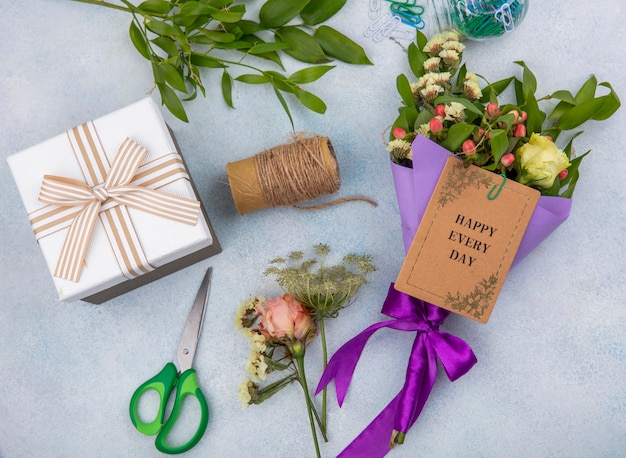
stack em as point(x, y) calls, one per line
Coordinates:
point(108, 192)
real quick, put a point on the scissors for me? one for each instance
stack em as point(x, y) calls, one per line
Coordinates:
point(180, 376)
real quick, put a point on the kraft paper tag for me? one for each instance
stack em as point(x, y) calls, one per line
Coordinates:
point(466, 242)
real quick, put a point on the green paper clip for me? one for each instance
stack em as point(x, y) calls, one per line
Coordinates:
point(496, 187)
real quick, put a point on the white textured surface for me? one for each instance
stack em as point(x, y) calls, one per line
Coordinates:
point(551, 376)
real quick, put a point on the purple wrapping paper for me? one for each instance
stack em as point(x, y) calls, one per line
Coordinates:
point(414, 188)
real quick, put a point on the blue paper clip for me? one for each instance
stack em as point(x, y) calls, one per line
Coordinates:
point(409, 12)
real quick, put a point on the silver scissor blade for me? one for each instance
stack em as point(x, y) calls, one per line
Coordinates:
point(193, 327)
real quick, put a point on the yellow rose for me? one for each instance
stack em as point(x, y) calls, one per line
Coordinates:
point(539, 162)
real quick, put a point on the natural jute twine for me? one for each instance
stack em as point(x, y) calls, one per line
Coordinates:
point(301, 170)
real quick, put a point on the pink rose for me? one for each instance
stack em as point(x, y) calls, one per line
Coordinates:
point(285, 319)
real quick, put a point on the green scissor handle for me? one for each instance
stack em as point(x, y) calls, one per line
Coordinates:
point(163, 383)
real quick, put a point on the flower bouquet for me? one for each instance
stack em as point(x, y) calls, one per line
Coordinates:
point(280, 329)
point(445, 113)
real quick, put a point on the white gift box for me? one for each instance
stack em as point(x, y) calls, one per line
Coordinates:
point(166, 244)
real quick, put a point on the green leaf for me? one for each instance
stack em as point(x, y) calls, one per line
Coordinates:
point(572, 176)
point(166, 44)
point(276, 13)
point(202, 60)
point(283, 102)
point(560, 108)
point(565, 96)
point(161, 28)
point(404, 89)
point(227, 89)
point(264, 48)
point(155, 7)
point(536, 117)
point(232, 15)
point(172, 102)
point(466, 103)
point(417, 57)
point(318, 11)
point(499, 144)
point(309, 74)
point(529, 82)
point(247, 27)
point(420, 39)
point(280, 81)
point(587, 90)
point(139, 41)
point(337, 45)
point(302, 46)
point(610, 106)
point(495, 89)
point(253, 79)
point(170, 74)
point(580, 113)
point(214, 36)
point(311, 101)
point(457, 134)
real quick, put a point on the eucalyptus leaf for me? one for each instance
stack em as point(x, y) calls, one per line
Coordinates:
point(302, 46)
point(276, 13)
point(318, 11)
point(339, 46)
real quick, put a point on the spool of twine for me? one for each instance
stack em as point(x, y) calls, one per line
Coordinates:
point(287, 174)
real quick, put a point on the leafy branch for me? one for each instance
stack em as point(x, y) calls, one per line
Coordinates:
point(184, 38)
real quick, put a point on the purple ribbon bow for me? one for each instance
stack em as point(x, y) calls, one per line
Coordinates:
point(409, 314)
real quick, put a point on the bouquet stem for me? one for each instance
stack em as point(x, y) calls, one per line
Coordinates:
point(298, 352)
point(325, 360)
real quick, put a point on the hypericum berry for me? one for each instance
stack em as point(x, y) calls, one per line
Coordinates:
point(507, 160)
point(519, 131)
point(435, 125)
point(562, 174)
point(440, 110)
point(399, 133)
point(492, 109)
point(468, 147)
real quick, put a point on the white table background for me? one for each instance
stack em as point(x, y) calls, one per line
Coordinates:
point(551, 375)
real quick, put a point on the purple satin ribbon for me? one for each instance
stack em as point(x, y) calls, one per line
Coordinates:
point(409, 314)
